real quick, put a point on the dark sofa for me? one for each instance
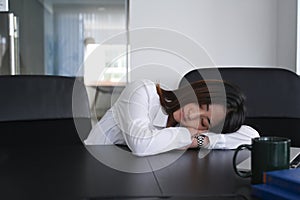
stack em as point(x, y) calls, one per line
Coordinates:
point(43, 110)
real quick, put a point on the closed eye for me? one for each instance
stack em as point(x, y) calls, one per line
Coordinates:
point(205, 122)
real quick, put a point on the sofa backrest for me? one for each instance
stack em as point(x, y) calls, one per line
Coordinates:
point(39, 109)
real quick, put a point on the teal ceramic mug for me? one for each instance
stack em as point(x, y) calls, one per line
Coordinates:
point(267, 154)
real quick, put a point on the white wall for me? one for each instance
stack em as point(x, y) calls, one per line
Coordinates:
point(198, 33)
point(287, 34)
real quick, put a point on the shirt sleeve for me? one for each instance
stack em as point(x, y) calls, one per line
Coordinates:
point(132, 112)
point(232, 140)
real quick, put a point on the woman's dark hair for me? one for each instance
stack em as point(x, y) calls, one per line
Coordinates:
point(207, 92)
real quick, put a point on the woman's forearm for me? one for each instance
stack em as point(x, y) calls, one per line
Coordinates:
point(231, 140)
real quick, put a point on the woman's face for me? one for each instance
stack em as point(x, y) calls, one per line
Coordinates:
point(200, 117)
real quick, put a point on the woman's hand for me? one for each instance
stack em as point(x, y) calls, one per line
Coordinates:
point(195, 132)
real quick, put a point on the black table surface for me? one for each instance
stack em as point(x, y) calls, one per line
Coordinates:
point(72, 172)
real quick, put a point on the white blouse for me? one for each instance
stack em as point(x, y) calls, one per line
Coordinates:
point(138, 120)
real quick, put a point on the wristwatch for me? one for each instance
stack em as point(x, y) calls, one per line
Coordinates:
point(200, 140)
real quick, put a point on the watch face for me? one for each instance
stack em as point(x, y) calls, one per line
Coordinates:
point(200, 140)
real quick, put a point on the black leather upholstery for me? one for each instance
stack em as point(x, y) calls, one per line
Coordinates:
point(39, 110)
point(273, 97)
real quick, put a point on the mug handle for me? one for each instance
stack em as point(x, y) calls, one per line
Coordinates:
point(241, 173)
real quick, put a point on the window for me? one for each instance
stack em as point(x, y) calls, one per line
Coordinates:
point(76, 32)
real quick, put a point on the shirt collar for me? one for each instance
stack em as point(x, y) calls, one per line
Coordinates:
point(160, 119)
